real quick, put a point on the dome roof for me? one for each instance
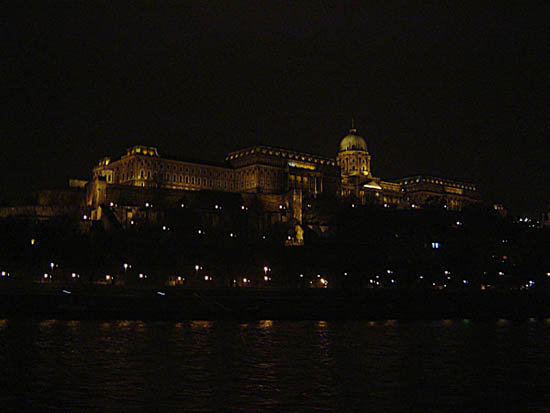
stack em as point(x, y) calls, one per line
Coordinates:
point(353, 142)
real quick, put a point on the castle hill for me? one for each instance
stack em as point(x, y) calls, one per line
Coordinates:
point(268, 222)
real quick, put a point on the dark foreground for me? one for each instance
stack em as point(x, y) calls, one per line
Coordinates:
point(49, 302)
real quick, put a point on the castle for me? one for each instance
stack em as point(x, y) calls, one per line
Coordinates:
point(272, 185)
point(278, 176)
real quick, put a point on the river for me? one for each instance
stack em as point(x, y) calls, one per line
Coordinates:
point(275, 365)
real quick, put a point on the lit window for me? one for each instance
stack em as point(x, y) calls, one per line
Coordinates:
point(435, 245)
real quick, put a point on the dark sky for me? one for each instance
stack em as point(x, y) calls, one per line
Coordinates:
point(455, 92)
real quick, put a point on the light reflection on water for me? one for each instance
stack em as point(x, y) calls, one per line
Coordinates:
point(280, 365)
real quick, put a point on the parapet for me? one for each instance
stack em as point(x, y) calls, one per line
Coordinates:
point(143, 150)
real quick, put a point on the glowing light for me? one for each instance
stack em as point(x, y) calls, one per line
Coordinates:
point(65, 292)
point(45, 275)
point(84, 217)
point(197, 267)
point(207, 278)
point(301, 275)
point(500, 273)
point(108, 277)
point(266, 278)
point(161, 293)
point(52, 265)
point(111, 204)
point(33, 241)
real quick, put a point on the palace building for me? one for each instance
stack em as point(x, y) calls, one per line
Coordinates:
point(275, 173)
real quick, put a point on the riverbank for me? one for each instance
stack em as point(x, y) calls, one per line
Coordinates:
point(103, 302)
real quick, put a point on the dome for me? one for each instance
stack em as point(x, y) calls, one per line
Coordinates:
point(353, 142)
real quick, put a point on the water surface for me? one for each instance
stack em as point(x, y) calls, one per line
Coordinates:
point(278, 365)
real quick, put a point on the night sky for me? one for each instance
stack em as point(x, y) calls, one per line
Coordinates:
point(461, 93)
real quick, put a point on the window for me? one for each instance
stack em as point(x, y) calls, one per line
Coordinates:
point(186, 179)
point(142, 174)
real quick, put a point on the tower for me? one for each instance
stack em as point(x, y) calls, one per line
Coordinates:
point(353, 157)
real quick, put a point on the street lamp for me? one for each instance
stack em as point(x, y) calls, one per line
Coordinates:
point(126, 266)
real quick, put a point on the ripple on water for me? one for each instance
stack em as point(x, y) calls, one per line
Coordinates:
point(275, 365)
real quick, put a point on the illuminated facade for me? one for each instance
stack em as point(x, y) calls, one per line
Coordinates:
point(264, 170)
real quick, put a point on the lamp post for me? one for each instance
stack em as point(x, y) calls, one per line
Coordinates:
point(197, 268)
point(125, 266)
